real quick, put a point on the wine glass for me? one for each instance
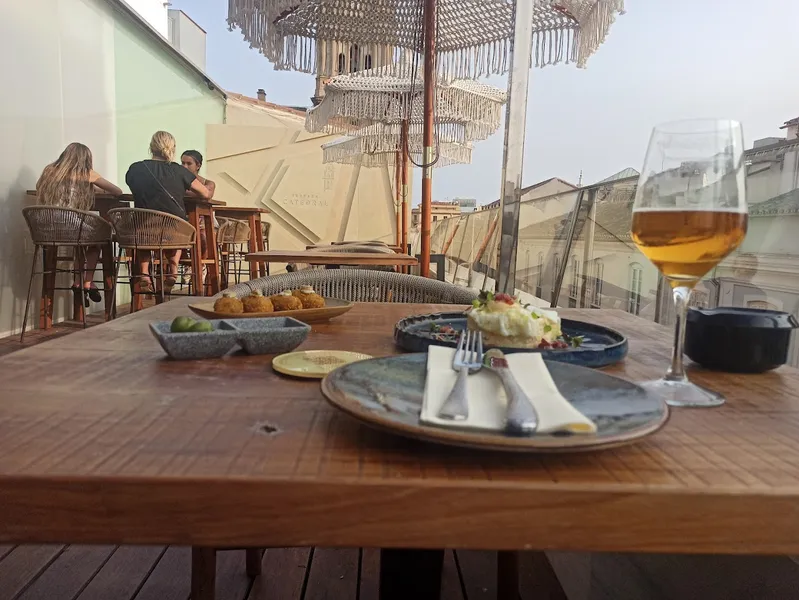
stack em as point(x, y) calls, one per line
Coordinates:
point(689, 213)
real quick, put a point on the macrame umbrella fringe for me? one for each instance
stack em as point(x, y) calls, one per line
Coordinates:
point(474, 35)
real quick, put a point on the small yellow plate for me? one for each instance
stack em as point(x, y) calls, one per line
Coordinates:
point(314, 364)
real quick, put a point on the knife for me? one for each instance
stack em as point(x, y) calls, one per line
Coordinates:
point(521, 417)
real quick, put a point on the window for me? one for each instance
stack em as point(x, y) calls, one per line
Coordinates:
point(367, 62)
point(539, 281)
point(634, 297)
point(574, 287)
point(596, 292)
point(355, 57)
point(342, 62)
point(435, 219)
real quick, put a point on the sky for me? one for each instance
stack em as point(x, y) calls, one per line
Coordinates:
point(663, 60)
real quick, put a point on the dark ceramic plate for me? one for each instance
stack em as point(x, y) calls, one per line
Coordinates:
point(387, 393)
point(601, 346)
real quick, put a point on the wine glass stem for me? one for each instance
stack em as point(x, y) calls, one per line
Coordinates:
point(681, 295)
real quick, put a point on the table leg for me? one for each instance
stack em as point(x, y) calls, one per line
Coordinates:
point(254, 556)
point(507, 576)
point(259, 236)
point(254, 267)
point(108, 280)
point(203, 573)
point(49, 262)
point(77, 300)
point(196, 254)
point(213, 254)
point(406, 574)
point(537, 570)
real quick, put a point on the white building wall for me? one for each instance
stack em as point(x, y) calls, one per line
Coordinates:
point(188, 37)
point(59, 69)
point(154, 12)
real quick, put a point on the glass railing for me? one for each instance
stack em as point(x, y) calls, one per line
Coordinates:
point(575, 249)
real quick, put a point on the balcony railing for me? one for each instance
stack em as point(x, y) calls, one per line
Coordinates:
point(575, 250)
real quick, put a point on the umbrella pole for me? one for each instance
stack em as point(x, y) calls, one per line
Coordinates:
point(429, 96)
point(397, 198)
point(515, 126)
point(404, 175)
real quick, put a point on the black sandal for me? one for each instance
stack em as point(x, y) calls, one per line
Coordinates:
point(145, 285)
point(94, 294)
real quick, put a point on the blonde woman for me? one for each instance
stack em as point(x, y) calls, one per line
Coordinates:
point(70, 182)
point(160, 184)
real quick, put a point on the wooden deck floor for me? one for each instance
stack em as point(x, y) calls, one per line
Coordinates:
point(158, 573)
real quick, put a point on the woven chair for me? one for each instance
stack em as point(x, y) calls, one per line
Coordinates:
point(52, 227)
point(231, 238)
point(139, 229)
point(362, 286)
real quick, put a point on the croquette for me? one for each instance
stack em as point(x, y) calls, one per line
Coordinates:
point(229, 304)
point(256, 302)
point(286, 301)
point(309, 298)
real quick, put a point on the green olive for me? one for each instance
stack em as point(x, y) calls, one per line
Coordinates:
point(201, 327)
point(182, 324)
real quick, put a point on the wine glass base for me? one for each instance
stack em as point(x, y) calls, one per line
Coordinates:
point(684, 393)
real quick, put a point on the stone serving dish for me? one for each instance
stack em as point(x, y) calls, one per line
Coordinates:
point(195, 346)
point(256, 336)
point(274, 335)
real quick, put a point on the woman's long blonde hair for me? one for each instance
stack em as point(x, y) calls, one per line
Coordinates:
point(67, 181)
point(162, 145)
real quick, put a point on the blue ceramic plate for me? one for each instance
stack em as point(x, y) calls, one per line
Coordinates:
point(601, 346)
point(387, 393)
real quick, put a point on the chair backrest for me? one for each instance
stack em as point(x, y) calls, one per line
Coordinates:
point(151, 229)
point(362, 286)
point(233, 232)
point(59, 226)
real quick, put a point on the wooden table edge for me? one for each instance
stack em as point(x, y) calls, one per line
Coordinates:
point(249, 513)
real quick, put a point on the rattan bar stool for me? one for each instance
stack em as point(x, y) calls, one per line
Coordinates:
point(143, 230)
point(231, 238)
point(52, 227)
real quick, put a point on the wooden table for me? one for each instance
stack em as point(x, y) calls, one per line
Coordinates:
point(319, 257)
point(252, 215)
point(228, 453)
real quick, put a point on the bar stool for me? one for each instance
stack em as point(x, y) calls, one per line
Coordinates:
point(144, 230)
point(231, 238)
point(266, 228)
point(52, 227)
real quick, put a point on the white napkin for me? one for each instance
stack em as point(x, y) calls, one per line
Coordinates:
point(487, 400)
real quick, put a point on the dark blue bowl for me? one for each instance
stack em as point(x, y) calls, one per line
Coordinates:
point(601, 346)
point(738, 340)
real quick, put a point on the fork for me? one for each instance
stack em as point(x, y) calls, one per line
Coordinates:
point(468, 358)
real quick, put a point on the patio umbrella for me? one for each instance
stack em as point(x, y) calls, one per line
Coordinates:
point(467, 111)
point(381, 145)
point(379, 151)
point(457, 38)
